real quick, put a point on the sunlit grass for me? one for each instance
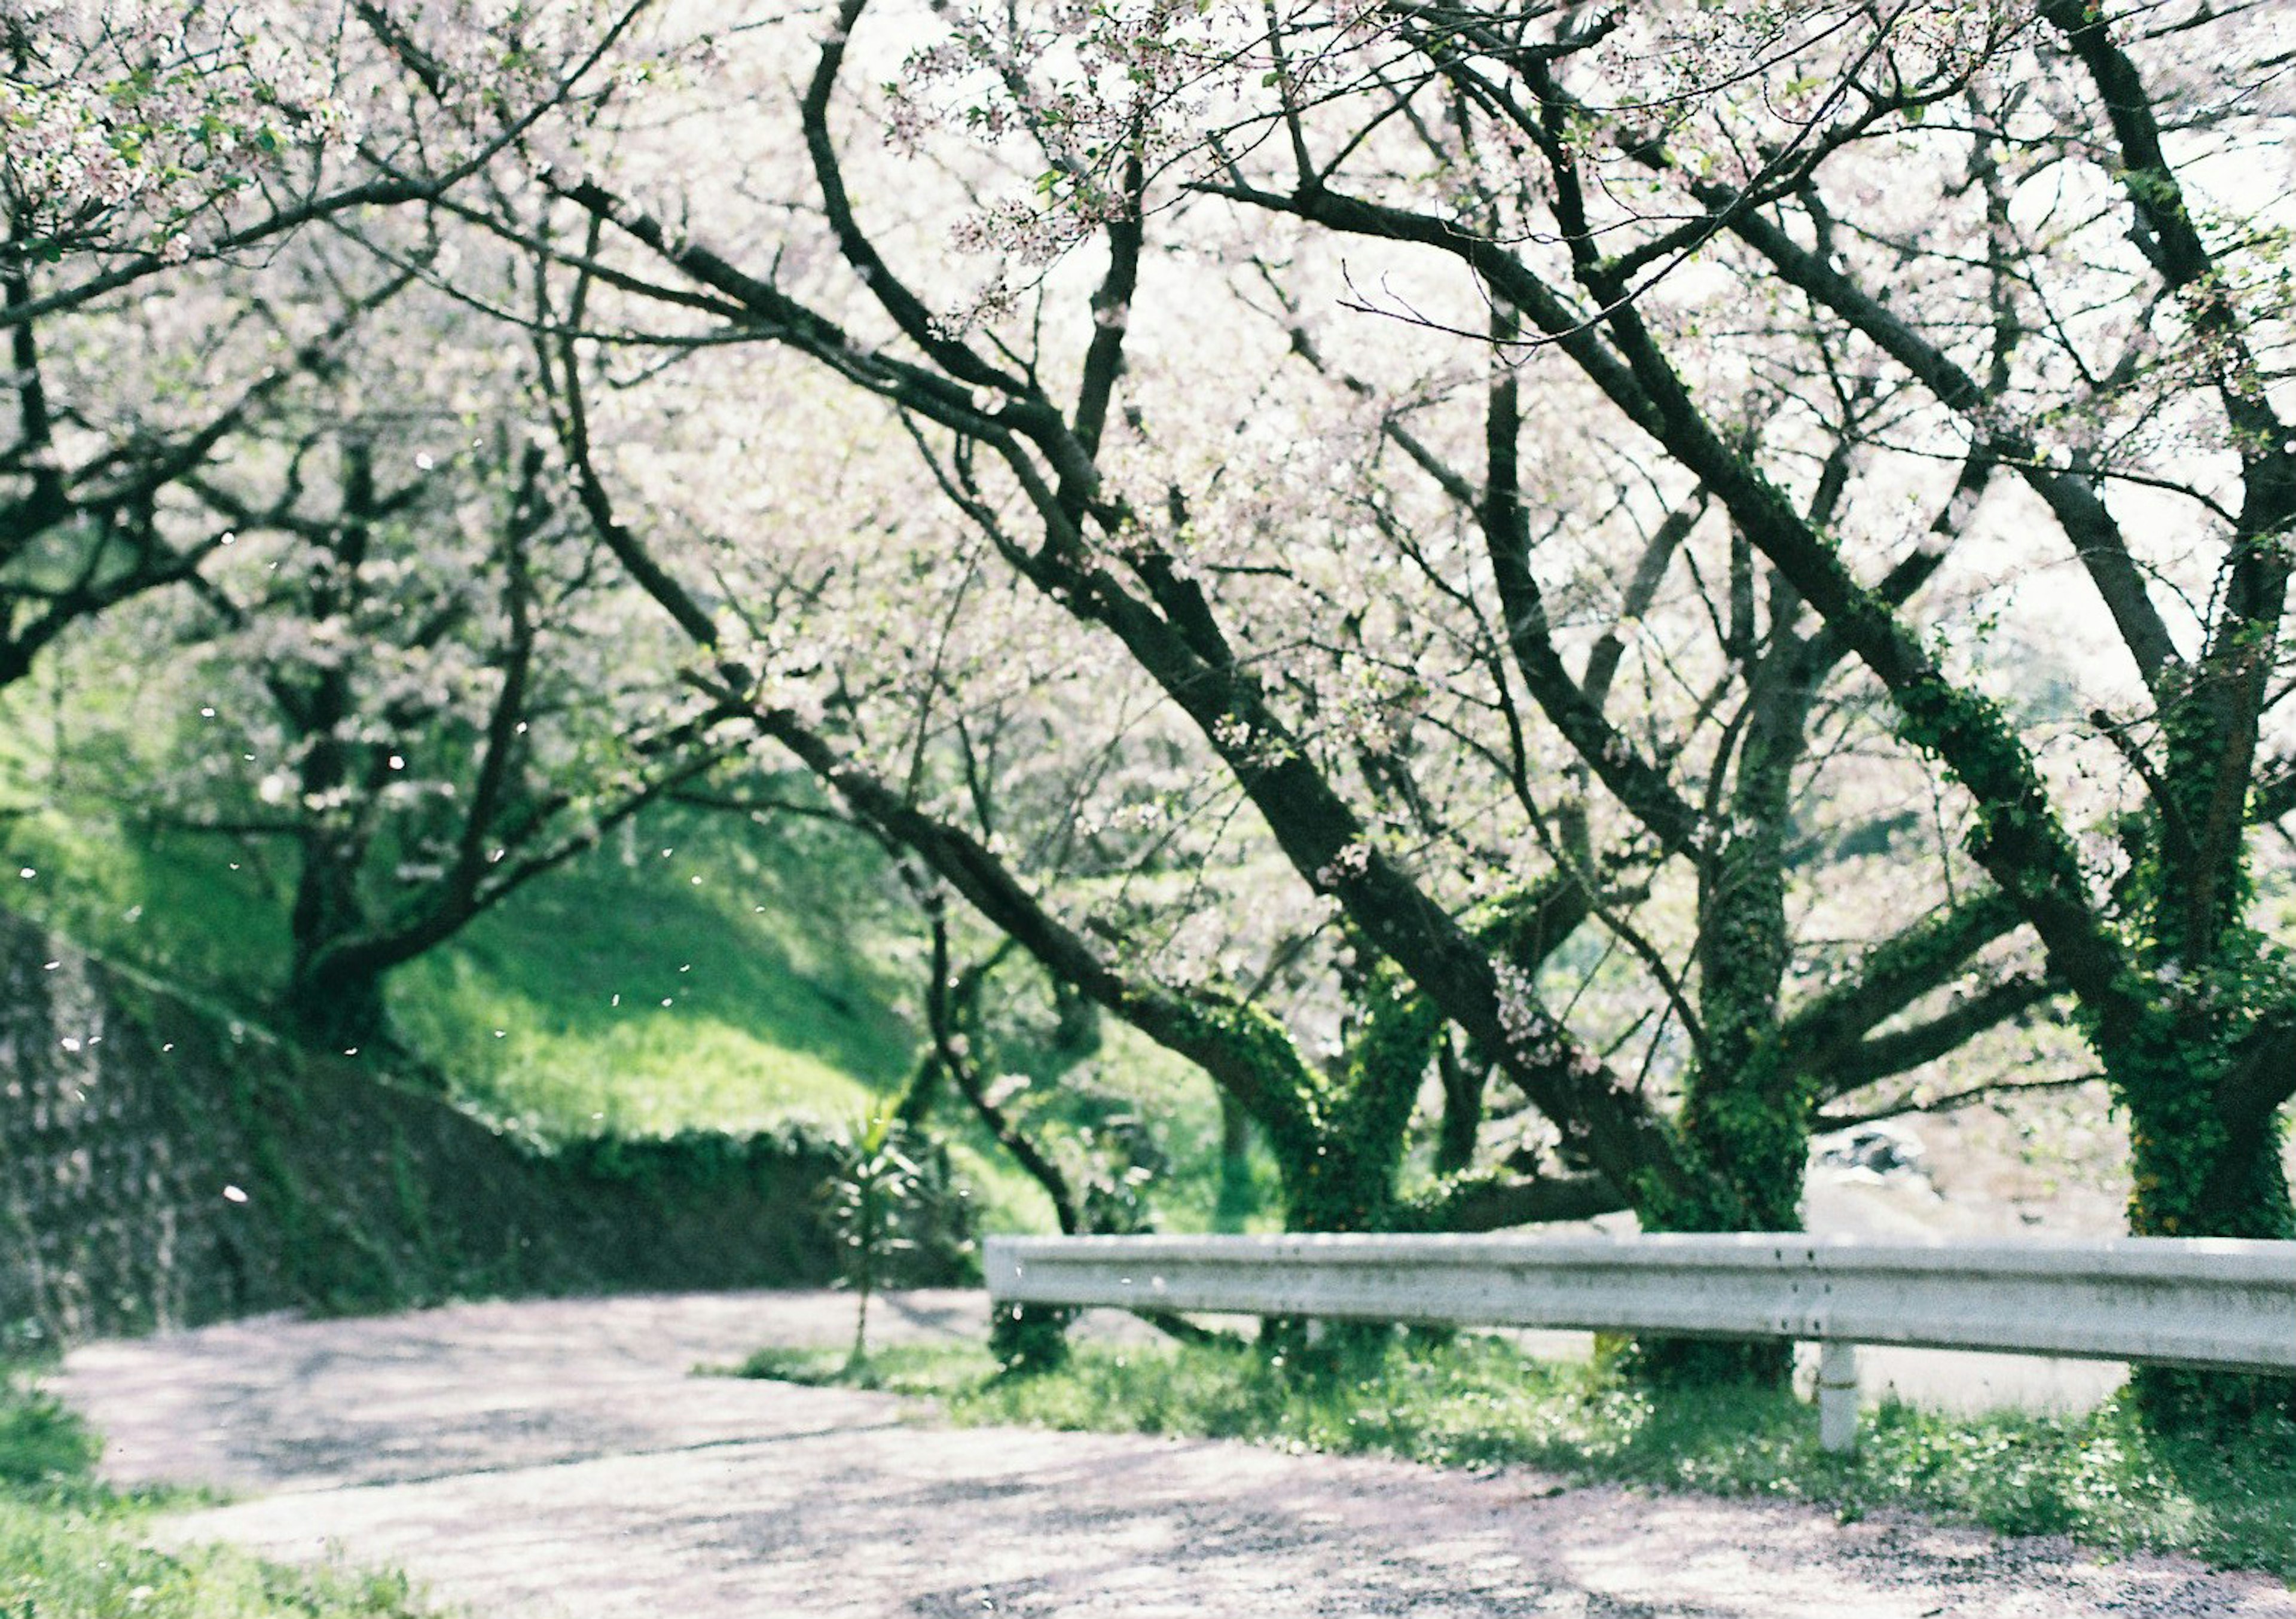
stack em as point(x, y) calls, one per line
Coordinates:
point(71, 1549)
point(648, 1075)
point(1478, 1401)
point(196, 912)
point(711, 987)
point(780, 1005)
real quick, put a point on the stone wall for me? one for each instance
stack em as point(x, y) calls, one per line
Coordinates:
point(163, 1165)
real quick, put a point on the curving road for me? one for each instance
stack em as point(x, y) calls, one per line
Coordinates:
point(554, 1457)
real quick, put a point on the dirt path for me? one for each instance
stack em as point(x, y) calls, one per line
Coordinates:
point(555, 1458)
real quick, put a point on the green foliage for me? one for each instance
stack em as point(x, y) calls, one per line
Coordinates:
point(45, 1450)
point(878, 1195)
point(673, 1168)
point(71, 1563)
point(72, 1548)
point(1025, 1340)
point(1478, 1401)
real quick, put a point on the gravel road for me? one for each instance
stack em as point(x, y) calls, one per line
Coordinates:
point(554, 1459)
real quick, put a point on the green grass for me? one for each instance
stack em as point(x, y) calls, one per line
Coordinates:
point(72, 1548)
point(1477, 1401)
point(930, 1369)
point(195, 911)
point(700, 972)
point(742, 978)
point(782, 992)
point(44, 1450)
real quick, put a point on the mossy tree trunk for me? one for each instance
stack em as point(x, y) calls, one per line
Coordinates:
point(2211, 1015)
point(1746, 1109)
point(1238, 1197)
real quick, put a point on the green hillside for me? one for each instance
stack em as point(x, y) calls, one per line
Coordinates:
point(703, 971)
point(737, 978)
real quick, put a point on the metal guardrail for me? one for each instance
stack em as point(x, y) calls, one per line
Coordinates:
point(2207, 1303)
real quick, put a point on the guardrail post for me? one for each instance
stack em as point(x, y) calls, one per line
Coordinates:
point(1837, 1397)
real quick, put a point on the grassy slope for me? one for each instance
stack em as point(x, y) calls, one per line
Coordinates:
point(702, 973)
point(709, 976)
point(783, 997)
point(784, 961)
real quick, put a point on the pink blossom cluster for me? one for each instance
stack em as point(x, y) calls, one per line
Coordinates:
point(139, 125)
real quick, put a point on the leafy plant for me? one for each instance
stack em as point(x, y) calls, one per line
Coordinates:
point(44, 1448)
point(876, 1195)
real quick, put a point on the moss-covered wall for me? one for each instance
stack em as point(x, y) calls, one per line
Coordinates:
point(161, 1166)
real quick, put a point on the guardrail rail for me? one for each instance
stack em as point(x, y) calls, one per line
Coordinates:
point(2207, 1303)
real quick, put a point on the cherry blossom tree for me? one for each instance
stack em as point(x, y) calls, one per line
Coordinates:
point(416, 676)
point(2112, 356)
point(1131, 570)
point(92, 508)
point(2053, 230)
point(160, 165)
point(137, 136)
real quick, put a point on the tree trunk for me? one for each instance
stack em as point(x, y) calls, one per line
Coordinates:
point(338, 1012)
point(1463, 1109)
point(326, 1005)
point(1239, 1198)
